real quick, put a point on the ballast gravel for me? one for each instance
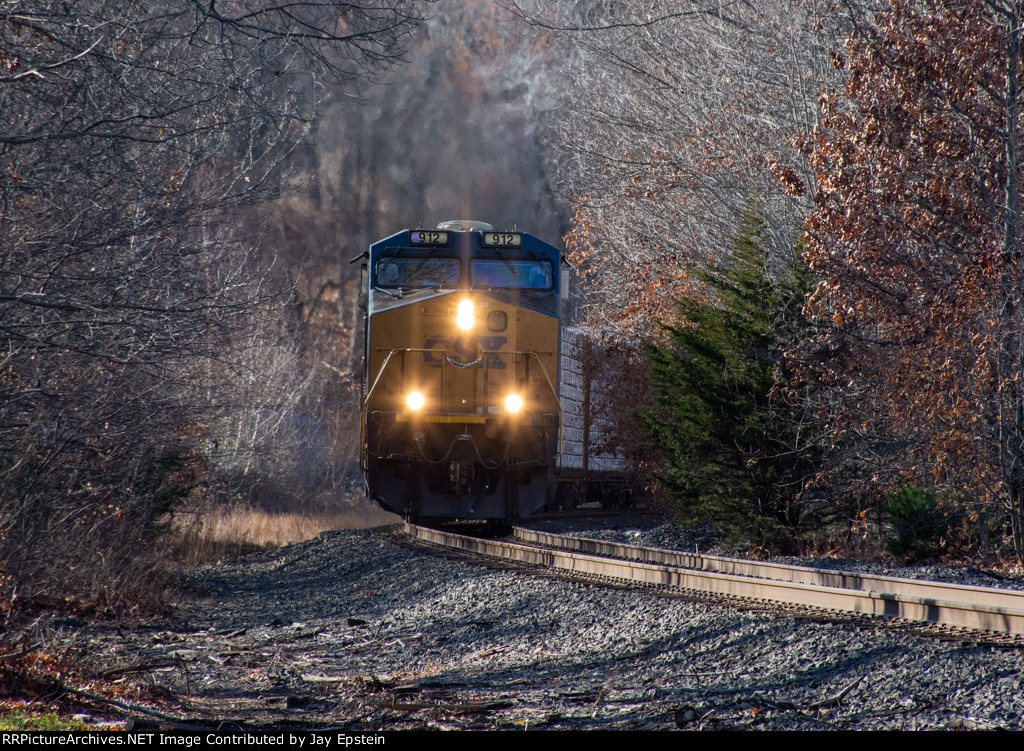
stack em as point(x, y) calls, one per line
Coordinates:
point(359, 630)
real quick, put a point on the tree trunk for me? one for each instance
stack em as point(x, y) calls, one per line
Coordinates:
point(1011, 356)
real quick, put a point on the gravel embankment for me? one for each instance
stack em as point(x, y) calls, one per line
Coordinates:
point(356, 630)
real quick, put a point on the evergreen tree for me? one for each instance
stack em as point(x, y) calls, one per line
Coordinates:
point(730, 454)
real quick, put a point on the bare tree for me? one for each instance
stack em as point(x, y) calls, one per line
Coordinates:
point(680, 115)
point(133, 135)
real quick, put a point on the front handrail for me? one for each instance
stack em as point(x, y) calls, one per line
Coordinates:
point(384, 367)
point(445, 361)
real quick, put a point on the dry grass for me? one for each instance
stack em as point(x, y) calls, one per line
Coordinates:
point(226, 533)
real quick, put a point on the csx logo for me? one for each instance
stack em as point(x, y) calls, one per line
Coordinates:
point(464, 349)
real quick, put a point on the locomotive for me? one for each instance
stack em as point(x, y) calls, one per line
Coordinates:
point(461, 416)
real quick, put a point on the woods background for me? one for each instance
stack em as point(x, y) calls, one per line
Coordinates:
point(181, 189)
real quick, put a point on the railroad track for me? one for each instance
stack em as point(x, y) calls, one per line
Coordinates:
point(948, 605)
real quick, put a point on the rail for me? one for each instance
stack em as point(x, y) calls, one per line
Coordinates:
point(993, 610)
point(973, 595)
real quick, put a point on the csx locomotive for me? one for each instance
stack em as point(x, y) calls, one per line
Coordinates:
point(460, 410)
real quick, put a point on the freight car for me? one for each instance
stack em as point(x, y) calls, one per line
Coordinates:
point(598, 391)
point(461, 416)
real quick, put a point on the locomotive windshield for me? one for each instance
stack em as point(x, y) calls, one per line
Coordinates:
point(417, 272)
point(508, 272)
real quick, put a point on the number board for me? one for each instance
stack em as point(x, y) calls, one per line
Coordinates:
point(428, 237)
point(503, 239)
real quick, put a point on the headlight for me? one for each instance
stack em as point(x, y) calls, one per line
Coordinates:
point(415, 400)
point(513, 403)
point(464, 318)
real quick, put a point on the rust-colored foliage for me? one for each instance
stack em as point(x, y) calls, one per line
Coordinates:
point(921, 280)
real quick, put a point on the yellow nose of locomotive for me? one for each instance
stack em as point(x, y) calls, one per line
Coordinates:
point(461, 413)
